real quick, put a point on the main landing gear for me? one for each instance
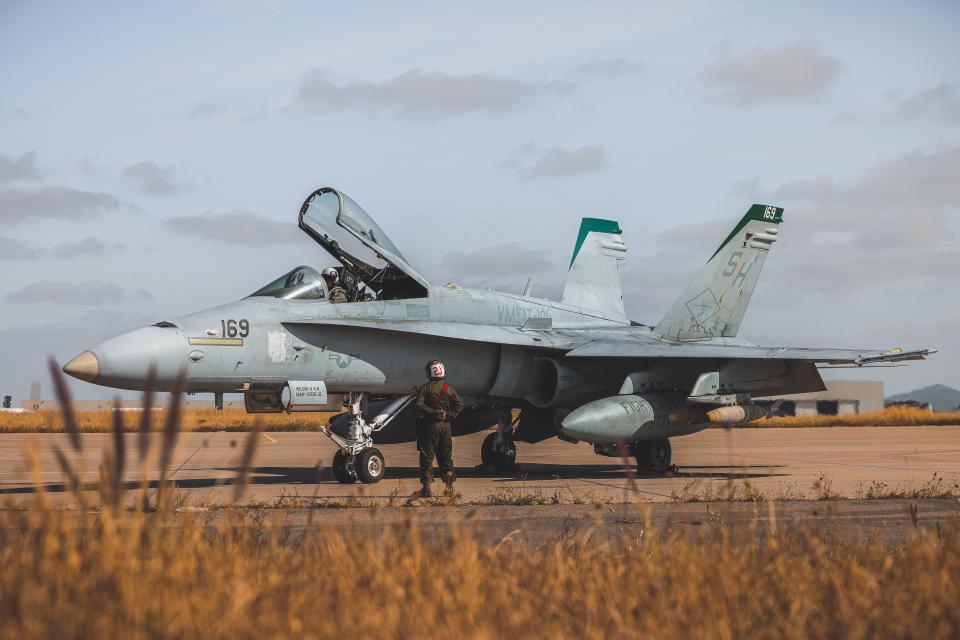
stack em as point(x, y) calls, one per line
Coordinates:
point(653, 454)
point(498, 450)
point(357, 458)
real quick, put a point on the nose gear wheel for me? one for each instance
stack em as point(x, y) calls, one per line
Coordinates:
point(344, 469)
point(370, 465)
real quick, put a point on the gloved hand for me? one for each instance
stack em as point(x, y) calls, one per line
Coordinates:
point(442, 416)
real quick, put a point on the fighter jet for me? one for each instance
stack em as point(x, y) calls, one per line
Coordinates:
point(577, 369)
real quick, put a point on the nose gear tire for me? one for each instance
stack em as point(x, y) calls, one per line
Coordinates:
point(370, 465)
point(343, 469)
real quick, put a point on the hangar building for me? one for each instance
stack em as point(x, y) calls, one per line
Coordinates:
point(842, 397)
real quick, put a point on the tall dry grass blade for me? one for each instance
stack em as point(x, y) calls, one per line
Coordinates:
point(36, 474)
point(627, 466)
point(146, 418)
point(68, 471)
point(66, 403)
point(119, 455)
point(171, 428)
point(246, 463)
point(105, 483)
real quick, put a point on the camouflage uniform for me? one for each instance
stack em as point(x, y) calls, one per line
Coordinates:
point(338, 295)
point(434, 437)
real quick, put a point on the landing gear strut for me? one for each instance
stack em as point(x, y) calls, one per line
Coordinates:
point(653, 454)
point(498, 449)
point(357, 458)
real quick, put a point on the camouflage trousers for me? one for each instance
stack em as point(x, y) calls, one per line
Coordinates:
point(435, 439)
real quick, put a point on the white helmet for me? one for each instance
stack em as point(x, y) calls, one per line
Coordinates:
point(436, 370)
point(330, 274)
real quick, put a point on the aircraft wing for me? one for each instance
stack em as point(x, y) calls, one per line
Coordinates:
point(599, 343)
point(627, 349)
point(557, 339)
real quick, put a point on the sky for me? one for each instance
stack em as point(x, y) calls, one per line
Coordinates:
point(154, 157)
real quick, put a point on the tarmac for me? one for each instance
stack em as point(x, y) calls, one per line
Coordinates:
point(780, 463)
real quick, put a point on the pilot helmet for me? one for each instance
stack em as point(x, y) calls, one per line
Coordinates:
point(330, 274)
point(436, 370)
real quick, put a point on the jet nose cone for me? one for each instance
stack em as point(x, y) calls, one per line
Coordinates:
point(85, 367)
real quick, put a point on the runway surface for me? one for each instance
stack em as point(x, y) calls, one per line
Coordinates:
point(783, 462)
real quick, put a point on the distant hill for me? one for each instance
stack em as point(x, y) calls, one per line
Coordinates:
point(940, 396)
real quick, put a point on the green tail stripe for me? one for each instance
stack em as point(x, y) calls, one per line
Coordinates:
point(593, 224)
point(761, 212)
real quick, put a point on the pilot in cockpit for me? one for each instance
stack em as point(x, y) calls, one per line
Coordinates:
point(337, 294)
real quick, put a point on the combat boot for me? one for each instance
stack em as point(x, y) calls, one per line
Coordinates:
point(448, 479)
point(425, 491)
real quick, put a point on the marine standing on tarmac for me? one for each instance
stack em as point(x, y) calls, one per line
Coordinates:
point(337, 294)
point(438, 404)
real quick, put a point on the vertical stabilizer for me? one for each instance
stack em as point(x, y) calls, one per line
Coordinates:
point(713, 305)
point(593, 281)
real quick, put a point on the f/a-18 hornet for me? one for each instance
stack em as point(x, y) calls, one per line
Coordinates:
point(577, 369)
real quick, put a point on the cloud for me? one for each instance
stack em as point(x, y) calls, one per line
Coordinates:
point(530, 161)
point(151, 179)
point(235, 227)
point(889, 227)
point(25, 205)
point(610, 68)
point(496, 261)
point(502, 267)
point(912, 180)
point(942, 101)
point(420, 95)
point(204, 110)
point(791, 73)
point(91, 293)
point(22, 168)
point(85, 247)
point(64, 335)
point(12, 249)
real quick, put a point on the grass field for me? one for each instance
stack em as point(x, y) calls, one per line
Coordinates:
point(891, 417)
point(191, 420)
point(105, 570)
point(134, 575)
point(239, 420)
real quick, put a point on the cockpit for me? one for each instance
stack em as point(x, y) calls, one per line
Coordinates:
point(303, 283)
point(372, 266)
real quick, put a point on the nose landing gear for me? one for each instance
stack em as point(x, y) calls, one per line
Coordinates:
point(356, 457)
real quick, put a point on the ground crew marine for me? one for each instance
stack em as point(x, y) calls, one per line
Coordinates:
point(438, 404)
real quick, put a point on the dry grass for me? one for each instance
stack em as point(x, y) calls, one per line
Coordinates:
point(239, 420)
point(141, 573)
point(246, 577)
point(936, 486)
point(891, 417)
point(191, 420)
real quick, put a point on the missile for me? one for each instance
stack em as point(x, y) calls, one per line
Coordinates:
point(635, 418)
point(631, 418)
point(736, 414)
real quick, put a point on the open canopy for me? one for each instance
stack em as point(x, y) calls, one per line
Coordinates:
point(349, 234)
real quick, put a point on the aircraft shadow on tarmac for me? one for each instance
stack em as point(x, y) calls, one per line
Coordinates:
point(524, 472)
point(528, 471)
